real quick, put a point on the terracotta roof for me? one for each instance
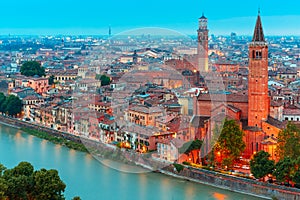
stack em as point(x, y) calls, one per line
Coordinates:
point(274, 122)
point(143, 131)
point(229, 98)
point(177, 143)
point(289, 111)
point(198, 121)
point(31, 97)
point(144, 109)
point(269, 141)
point(233, 108)
point(276, 103)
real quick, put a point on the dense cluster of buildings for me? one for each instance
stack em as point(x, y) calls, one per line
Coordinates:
point(163, 92)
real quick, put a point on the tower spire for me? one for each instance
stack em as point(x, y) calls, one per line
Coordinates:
point(258, 35)
point(109, 31)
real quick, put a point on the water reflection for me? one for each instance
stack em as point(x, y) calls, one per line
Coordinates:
point(143, 183)
point(219, 196)
point(89, 179)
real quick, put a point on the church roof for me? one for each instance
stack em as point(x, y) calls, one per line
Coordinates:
point(198, 121)
point(269, 141)
point(275, 122)
point(258, 35)
point(229, 98)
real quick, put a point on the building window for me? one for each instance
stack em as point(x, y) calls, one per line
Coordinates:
point(258, 55)
point(256, 146)
point(286, 118)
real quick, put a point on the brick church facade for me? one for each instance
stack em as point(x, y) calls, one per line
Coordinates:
point(251, 109)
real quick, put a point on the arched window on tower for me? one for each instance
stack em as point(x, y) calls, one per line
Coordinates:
point(258, 54)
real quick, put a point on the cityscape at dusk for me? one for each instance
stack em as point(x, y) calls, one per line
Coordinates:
point(149, 100)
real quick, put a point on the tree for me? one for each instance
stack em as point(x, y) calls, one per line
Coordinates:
point(192, 148)
point(261, 165)
point(3, 184)
point(45, 189)
point(284, 169)
point(2, 100)
point(105, 80)
point(19, 180)
point(12, 105)
point(22, 182)
point(289, 142)
point(3, 188)
point(296, 178)
point(31, 68)
point(230, 143)
point(51, 80)
point(76, 198)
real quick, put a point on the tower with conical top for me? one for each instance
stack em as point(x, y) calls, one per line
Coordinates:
point(258, 98)
point(202, 49)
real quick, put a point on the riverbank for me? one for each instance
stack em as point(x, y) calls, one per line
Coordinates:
point(56, 140)
point(215, 179)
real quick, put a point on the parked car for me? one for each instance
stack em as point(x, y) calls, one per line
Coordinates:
point(236, 166)
point(245, 167)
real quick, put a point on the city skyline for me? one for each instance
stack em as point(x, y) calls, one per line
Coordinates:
point(94, 18)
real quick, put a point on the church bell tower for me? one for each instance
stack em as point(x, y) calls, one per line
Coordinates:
point(258, 98)
point(202, 49)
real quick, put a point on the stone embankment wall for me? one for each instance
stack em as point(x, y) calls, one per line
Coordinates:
point(236, 184)
point(23, 124)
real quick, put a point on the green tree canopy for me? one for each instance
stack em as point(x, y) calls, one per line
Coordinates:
point(22, 182)
point(284, 169)
point(261, 165)
point(2, 100)
point(31, 68)
point(51, 79)
point(296, 178)
point(12, 105)
point(230, 141)
point(45, 189)
point(289, 142)
point(105, 80)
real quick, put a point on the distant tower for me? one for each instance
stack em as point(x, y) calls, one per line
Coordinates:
point(203, 45)
point(258, 98)
point(109, 32)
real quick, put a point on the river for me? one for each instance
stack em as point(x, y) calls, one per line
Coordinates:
point(91, 180)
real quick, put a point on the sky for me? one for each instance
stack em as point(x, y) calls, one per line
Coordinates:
point(95, 16)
